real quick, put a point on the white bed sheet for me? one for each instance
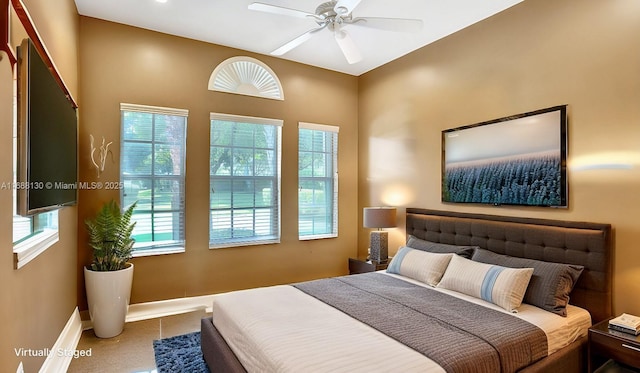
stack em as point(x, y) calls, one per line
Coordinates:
point(282, 329)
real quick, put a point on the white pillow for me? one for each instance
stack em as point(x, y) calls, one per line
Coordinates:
point(419, 265)
point(499, 285)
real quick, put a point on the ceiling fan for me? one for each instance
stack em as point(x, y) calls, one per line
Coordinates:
point(334, 15)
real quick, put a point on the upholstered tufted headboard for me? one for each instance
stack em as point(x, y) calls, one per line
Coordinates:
point(586, 244)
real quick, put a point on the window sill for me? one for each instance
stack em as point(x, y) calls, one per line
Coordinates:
point(317, 237)
point(159, 251)
point(29, 249)
point(241, 243)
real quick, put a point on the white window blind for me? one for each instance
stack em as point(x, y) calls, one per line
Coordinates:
point(152, 172)
point(317, 181)
point(244, 180)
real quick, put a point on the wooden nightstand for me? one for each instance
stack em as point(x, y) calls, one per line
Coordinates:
point(607, 344)
point(362, 266)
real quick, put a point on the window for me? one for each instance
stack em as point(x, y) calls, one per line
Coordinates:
point(26, 227)
point(34, 234)
point(317, 181)
point(244, 181)
point(246, 76)
point(152, 165)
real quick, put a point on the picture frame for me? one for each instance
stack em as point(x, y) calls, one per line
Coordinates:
point(516, 160)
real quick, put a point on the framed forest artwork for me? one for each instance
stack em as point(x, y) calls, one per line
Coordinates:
point(516, 160)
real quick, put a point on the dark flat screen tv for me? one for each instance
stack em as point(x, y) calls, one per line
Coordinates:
point(516, 160)
point(47, 137)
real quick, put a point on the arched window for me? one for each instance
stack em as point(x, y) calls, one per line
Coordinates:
point(246, 76)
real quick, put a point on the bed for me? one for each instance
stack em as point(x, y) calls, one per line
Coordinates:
point(396, 321)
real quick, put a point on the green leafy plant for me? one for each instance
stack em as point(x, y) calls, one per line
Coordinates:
point(110, 237)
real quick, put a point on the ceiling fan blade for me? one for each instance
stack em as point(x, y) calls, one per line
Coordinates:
point(389, 24)
point(274, 9)
point(344, 7)
point(348, 46)
point(296, 42)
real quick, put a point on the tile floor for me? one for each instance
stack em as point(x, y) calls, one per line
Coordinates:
point(131, 351)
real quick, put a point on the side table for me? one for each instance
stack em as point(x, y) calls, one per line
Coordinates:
point(362, 266)
point(605, 344)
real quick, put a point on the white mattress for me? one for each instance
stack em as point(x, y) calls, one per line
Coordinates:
point(282, 329)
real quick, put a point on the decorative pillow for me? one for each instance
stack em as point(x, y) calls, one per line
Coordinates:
point(550, 285)
point(496, 284)
point(419, 265)
point(434, 247)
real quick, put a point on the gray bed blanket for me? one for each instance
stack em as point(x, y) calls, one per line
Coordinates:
point(458, 335)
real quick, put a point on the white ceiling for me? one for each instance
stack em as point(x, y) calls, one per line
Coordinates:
point(231, 23)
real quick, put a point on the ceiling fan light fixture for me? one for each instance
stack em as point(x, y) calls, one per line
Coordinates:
point(334, 15)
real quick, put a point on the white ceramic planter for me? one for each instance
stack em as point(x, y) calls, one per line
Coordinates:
point(108, 295)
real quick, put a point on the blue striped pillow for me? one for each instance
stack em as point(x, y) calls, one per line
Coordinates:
point(419, 265)
point(550, 285)
point(499, 285)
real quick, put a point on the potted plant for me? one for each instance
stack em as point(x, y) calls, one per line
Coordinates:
point(109, 277)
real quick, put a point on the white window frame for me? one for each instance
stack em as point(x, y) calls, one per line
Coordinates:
point(276, 210)
point(333, 179)
point(156, 247)
point(28, 249)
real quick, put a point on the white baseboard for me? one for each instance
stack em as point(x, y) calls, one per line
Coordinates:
point(63, 350)
point(150, 310)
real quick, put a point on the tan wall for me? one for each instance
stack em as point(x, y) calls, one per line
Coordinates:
point(532, 56)
point(535, 55)
point(126, 64)
point(37, 300)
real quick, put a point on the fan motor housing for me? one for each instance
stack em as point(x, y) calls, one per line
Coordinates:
point(328, 14)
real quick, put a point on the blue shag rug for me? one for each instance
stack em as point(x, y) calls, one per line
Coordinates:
point(181, 353)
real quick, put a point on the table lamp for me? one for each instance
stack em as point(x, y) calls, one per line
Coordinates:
point(379, 217)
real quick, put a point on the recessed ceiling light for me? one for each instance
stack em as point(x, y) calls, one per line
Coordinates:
point(162, 1)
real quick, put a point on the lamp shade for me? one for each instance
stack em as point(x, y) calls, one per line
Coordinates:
point(379, 217)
